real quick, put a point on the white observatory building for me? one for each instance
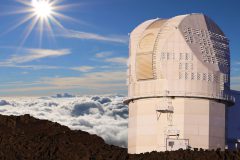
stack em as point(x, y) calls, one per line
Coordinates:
point(179, 84)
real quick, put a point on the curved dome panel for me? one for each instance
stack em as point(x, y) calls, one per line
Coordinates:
point(147, 42)
point(144, 68)
point(157, 24)
point(145, 51)
point(144, 57)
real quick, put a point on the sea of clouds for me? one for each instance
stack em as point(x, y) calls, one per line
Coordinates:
point(105, 115)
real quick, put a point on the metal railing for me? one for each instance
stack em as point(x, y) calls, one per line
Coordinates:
point(220, 96)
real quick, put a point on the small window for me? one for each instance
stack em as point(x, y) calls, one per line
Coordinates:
point(168, 56)
point(180, 75)
point(225, 78)
point(163, 55)
point(198, 76)
point(204, 76)
point(171, 143)
point(187, 56)
point(193, 76)
point(180, 65)
point(197, 31)
point(215, 78)
point(186, 66)
point(173, 56)
point(209, 77)
point(186, 76)
point(181, 56)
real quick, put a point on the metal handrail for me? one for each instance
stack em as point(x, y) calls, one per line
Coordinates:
point(220, 96)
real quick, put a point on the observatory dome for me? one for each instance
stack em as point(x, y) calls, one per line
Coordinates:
point(186, 55)
point(178, 84)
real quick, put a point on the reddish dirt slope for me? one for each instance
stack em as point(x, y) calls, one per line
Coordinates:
point(27, 138)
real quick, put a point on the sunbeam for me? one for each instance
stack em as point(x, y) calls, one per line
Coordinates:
point(40, 14)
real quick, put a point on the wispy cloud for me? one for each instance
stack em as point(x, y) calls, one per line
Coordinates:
point(94, 36)
point(103, 54)
point(33, 67)
point(235, 63)
point(120, 60)
point(35, 54)
point(237, 78)
point(24, 72)
point(83, 68)
point(16, 84)
point(95, 79)
point(96, 82)
point(235, 83)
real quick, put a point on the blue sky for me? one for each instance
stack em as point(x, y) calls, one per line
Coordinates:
point(88, 53)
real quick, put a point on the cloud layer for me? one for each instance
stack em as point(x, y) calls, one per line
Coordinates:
point(120, 60)
point(83, 68)
point(105, 116)
point(94, 36)
point(35, 54)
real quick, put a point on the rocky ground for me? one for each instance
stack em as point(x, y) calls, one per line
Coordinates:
point(27, 138)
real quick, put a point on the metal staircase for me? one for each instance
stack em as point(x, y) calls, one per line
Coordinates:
point(165, 106)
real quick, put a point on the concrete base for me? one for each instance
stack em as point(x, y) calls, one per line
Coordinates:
point(201, 122)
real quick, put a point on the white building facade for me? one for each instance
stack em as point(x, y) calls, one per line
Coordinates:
point(179, 84)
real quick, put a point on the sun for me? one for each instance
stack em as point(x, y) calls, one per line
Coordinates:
point(42, 16)
point(42, 8)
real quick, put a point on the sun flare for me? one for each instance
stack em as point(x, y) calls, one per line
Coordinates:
point(43, 15)
point(42, 8)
